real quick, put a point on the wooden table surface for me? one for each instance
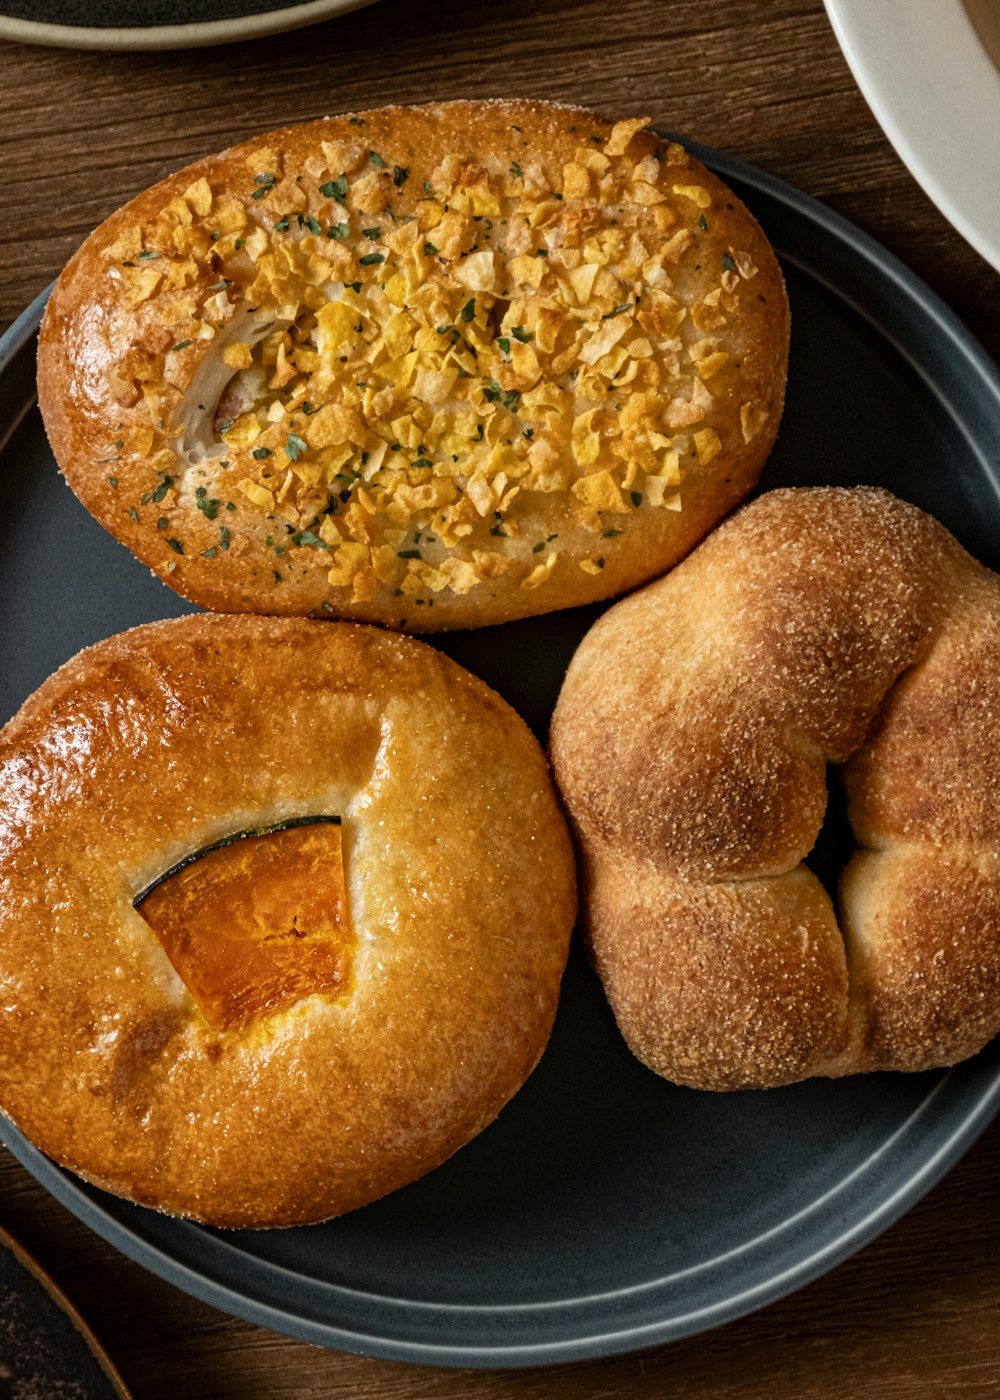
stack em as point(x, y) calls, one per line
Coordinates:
point(916, 1313)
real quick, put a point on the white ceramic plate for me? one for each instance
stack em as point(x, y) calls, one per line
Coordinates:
point(925, 69)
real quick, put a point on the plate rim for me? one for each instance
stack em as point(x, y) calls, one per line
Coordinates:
point(979, 1104)
point(31, 1266)
point(196, 34)
point(76, 1195)
point(896, 108)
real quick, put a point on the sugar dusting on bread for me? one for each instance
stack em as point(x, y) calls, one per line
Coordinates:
point(691, 743)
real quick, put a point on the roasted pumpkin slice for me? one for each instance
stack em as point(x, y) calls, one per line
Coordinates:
point(257, 921)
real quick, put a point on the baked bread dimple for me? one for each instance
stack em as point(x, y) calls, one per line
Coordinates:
point(691, 741)
point(270, 1107)
point(433, 366)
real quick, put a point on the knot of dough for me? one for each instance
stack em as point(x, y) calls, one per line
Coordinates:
point(691, 741)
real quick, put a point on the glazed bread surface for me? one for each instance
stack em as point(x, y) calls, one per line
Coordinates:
point(460, 893)
point(691, 742)
point(430, 366)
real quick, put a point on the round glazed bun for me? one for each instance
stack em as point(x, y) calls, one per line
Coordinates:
point(437, 989)
point(691, 741)
point(430, 366)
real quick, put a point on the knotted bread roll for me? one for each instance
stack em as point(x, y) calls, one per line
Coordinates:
point(284, 909)
point(429, 366)
point(691, 742)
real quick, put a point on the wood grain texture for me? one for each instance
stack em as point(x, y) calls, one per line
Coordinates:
point(915, 1314)
point(82, 132)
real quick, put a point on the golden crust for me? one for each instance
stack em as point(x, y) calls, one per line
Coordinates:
point(547, 405)
point(691, 741)
point(160, 741)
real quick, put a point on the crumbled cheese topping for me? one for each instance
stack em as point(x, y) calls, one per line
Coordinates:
point(402, 383)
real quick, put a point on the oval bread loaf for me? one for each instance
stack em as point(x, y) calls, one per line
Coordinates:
point(691, 742)
point(432, 367)
point(277, 1028)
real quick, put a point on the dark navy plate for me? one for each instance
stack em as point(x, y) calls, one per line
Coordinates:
point(46, 1349)
point(605, 1210)
point(158, 24)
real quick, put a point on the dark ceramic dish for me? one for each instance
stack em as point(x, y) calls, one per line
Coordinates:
point(46, 1349)
point(605, 1210)
point(158, 24)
